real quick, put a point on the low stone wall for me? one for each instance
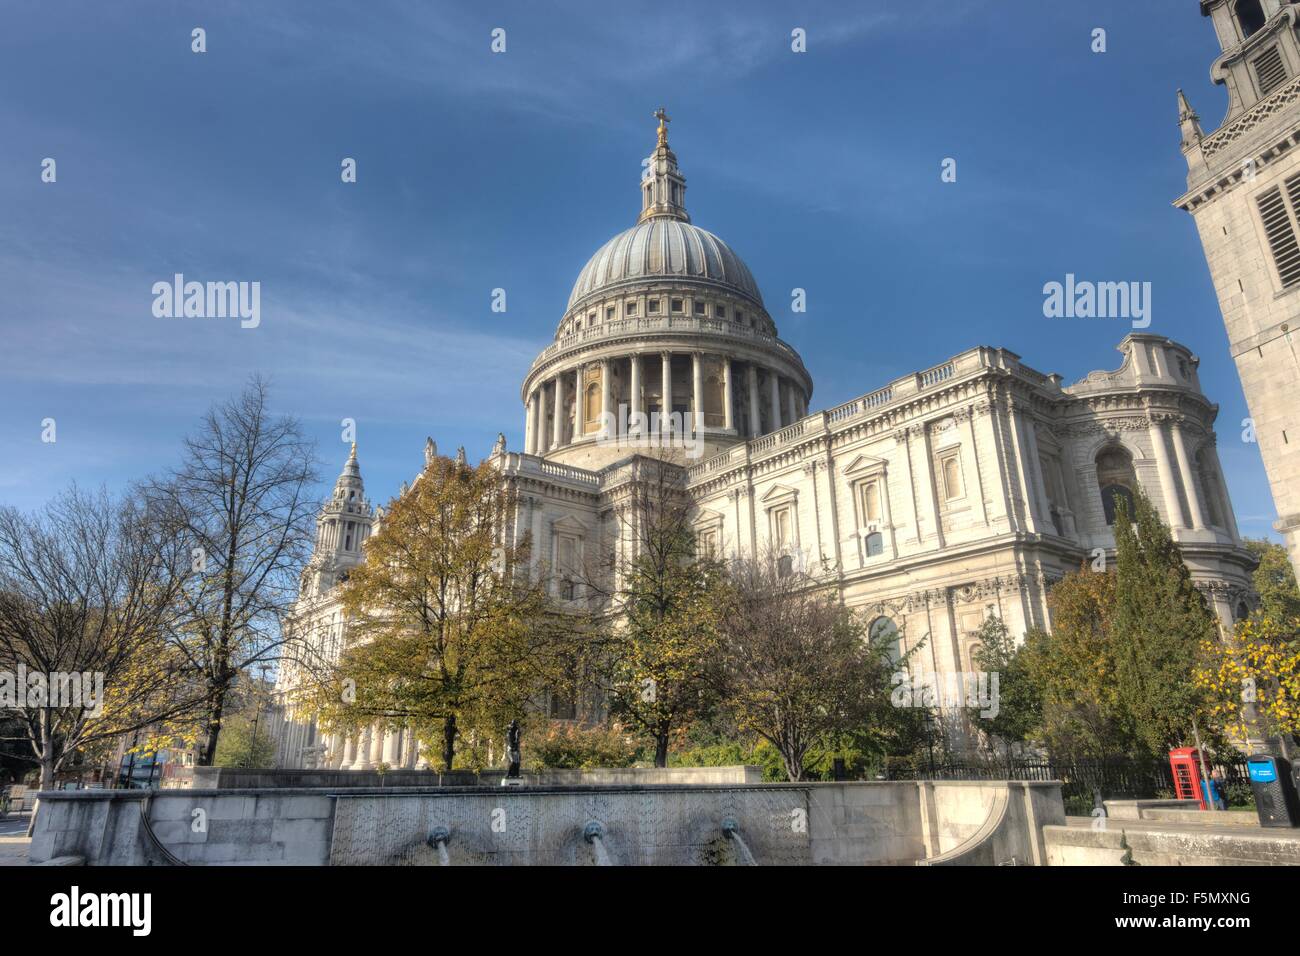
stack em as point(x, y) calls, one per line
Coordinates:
point(226, 778)
point(883, 823)
point(1189, 846)
point(1138, 809)
point(1179, 811)
point(106, 827)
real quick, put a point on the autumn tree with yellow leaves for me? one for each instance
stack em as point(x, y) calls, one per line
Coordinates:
point(1252, 680)
point(447, 632)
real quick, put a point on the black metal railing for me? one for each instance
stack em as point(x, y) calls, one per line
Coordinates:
point(1080, 779)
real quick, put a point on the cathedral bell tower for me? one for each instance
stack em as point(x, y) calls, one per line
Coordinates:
point(342, 527)
point(1243, 190)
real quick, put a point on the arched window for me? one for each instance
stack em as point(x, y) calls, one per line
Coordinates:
point(883, 633)
point(875, 544)
point(1250, 14)
point(1116, 480)
point(870, 502)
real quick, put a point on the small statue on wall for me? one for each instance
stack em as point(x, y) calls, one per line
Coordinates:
point(512, 750)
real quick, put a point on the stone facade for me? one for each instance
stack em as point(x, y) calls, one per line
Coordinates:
point(1243, 186)
point(941, 498)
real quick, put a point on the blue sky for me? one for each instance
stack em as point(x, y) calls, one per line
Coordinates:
point(479, 170)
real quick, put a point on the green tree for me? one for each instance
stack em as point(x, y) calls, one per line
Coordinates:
point(447, 632)
point(245, 745)
point(1274, 580)
point(1160, 624)
point(1020, 704)
point(661, 613)
point(1073, 668)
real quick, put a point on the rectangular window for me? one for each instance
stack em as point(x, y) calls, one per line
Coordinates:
point(782, 529)
point(720, 311)
point(699, 307)
point(610, 313)
point(678, 305)
point(652, 306)
point(1270, 71)
point(567, 559)
point(1277, 211)
point(708, 543)
point(630, 308)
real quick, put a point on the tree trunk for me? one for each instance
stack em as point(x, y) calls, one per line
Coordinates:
point(46, 754)
point(792, 758)
point(448, 742)
point(216, 707)
point(661, 748)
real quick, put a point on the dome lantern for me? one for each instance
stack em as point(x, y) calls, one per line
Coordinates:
point(663, 188)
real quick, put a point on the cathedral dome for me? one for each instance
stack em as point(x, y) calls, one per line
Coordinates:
point(664, 247)
point(665, 339)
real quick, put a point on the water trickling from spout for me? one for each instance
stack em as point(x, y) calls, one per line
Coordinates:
point(594, 834)
point(439, 839)
point(731, 830)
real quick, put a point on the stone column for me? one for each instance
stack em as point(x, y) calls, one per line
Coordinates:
point(1189, 480)
point(697, 399)
point(972, 466)
point(605, 383)
point(411, 750)
point(1025, 482)
point(363, 750)
point(1229, 519)
point(540, 430)
point(755, 420)
point(1035, 466)
point(1173, 510)
point(666, 400)
point(636, 390)
point(529, 425)
point(791, 412)
point(377, 735)
point(349, 752)
point(775, 381)
point(903, 444)
point(728, 417)
point(929, 489)
point(557, 437)
point(393, 750)
point(535, 555)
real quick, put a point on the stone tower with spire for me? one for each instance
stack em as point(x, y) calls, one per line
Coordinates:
point(342, 527)
point(1243, 190)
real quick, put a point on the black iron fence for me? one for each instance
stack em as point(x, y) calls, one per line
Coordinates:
point(1081, 780)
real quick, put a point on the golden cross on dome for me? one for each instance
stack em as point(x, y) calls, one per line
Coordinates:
point(662, 116)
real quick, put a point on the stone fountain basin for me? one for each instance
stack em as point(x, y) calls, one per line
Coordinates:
point(881, 823)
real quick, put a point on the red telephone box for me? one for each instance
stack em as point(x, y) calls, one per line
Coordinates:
point(1185, 765)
